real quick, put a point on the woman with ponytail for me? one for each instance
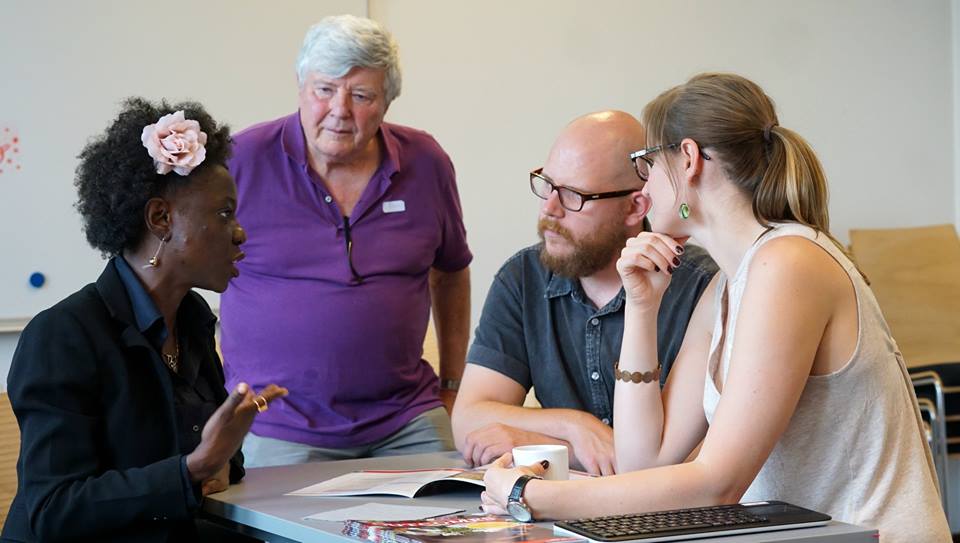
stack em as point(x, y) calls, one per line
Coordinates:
point(788, 385)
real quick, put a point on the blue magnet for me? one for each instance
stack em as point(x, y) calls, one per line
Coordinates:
point(37, 279)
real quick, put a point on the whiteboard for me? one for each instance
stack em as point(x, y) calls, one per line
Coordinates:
point(66, 66)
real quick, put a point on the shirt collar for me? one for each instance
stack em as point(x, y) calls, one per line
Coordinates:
point(391, 163)
point(145, 312)
point(295, 144)
point(292, 138)
point(559, 286)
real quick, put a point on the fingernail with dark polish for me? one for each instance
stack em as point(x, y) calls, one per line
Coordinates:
point(656, 268)
point(676, 261)
point(545, 464)
point(669, 269)
point(679, 250)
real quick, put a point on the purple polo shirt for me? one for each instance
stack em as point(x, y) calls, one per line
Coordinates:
point(350, 352)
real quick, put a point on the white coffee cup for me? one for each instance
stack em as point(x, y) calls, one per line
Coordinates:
point(557, 455)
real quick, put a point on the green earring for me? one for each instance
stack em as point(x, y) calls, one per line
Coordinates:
point(684, 211)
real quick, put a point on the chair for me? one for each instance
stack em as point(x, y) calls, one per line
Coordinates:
point(927, 411)
point(935, 411)
point(915, 275)
point(9, 450)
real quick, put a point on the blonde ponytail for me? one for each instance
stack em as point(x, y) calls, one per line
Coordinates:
point(794, 187)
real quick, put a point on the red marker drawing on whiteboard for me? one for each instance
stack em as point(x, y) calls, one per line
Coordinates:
point(9, 148)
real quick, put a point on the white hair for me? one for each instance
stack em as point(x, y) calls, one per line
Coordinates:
point(339, 43)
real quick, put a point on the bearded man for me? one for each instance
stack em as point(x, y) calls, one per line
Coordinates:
point(553, 318)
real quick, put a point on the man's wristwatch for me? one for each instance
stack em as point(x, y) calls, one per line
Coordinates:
point(450, 384)
point(517, 508)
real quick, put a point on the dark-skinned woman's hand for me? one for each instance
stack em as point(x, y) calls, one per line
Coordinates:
point(224, 431)
point(218, 483)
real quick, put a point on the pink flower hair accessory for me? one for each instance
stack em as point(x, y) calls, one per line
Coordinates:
point(175, 144)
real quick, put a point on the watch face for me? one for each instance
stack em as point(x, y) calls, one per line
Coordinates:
point(519, 511)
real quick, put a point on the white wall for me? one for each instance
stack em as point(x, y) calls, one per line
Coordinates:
point(867, 82)
point(871, 84)
point(955, 4)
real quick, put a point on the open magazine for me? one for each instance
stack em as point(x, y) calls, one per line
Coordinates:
point(454, 529)
point(409, 483)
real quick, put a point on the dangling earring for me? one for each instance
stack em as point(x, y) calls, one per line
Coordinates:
point(684, 211)
point(154, 261)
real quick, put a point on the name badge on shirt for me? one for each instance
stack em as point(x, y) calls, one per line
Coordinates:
point(394, 206)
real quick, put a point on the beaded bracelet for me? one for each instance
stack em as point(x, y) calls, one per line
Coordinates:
point(636, 376)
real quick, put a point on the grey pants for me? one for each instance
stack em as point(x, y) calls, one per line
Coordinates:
point(428, 432)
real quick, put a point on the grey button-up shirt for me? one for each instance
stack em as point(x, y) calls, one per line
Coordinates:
point(541, 330)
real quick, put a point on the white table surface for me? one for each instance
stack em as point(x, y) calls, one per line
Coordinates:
point(257, 506)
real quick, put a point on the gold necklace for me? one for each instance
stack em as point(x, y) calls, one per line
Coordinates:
point(173, 360)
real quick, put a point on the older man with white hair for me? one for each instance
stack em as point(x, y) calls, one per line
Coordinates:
point(354, 225)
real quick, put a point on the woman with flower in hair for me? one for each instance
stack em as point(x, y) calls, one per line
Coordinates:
point(118, 389)
point(788, 385)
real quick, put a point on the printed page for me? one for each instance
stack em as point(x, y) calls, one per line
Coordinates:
point(382, 512)
point(395, 483)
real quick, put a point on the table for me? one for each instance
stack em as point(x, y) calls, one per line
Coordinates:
point(258, 507)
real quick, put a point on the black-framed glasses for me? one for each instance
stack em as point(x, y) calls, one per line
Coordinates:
point(642, 162)
point(355, 277)
point(570, 199)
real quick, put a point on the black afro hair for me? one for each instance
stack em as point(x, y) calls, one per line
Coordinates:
point(116, 176)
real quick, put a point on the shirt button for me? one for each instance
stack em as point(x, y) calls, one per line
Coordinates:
point(595, 375)
point(327, 199)
point(605, 421)
point(196, 428)
point(594, 321)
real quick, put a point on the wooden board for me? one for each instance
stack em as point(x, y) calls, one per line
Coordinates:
point(9, 451)
point(915, 274)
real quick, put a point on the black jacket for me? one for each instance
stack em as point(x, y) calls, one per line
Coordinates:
point(99, 456)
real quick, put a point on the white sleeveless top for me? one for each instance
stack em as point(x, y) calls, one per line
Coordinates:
point(854, 448)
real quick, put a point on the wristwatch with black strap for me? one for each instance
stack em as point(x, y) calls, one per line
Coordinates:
point(517, 508)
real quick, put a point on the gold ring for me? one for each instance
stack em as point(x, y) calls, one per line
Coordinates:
point(261, 403)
